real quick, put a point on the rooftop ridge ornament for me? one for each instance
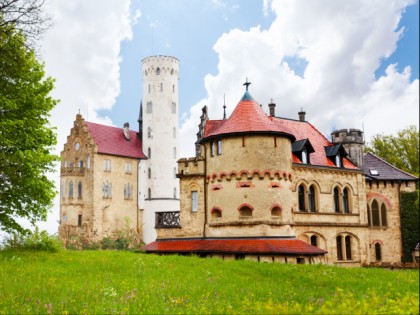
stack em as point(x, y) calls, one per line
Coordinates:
point(247, 84)
point(224, 106)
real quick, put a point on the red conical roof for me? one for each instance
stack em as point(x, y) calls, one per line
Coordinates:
point(247, 117)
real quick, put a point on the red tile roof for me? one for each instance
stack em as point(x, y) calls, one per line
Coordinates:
point(111, 140)
point(234, 246)
point(304, 130)
point(247, 117)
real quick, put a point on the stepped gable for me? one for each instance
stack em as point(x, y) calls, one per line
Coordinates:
point(111, 140)
point(247, 117)
point(384, 170)
point(304, 130)
point(234, 246)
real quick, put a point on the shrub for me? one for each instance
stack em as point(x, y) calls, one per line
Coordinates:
point(34, 241)
point(108, 243)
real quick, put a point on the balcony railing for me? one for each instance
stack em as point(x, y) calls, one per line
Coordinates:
point(73, 171)
point(167, 220)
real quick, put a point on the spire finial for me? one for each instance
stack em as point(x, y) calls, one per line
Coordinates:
point(247, 84)
point(224, 106)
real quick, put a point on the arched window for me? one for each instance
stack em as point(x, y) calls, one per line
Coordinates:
point(174, 192)
point(174, 153)
point(149, 107)
point(311, 199)
point(378, 252)
point(375, 213)
point(369, 215)
point(158, 71)
point(314, 240)
point(79, 190)
point(276, 211)
point(348, 247)
point(301, 196)
point(149, 193)
point(149, 173)
point(339, 248)
point(346, 206)
point(71, 189)
point(336, 200)
point(383, 216)
point(245, 211)
point(216, 213)
point(149, 153)
point(174, 132)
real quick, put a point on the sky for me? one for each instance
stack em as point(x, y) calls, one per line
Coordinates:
point(348, 64)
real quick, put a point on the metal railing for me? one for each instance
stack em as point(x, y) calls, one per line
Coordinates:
point(167, 220)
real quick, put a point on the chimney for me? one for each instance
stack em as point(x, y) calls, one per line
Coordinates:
point(272, 107)
point(301, 115)
point(127, 131)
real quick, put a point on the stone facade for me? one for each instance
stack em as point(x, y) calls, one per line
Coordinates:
point(250, 185)
point(98, 196)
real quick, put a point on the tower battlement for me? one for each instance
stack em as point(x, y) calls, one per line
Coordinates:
point(347, 136)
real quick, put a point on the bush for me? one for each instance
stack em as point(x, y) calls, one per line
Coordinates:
point(34, 241)
point(108, 243)
point(410, 223)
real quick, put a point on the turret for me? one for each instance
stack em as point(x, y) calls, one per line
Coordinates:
point(353, 141)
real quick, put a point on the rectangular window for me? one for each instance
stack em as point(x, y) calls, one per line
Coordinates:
point(194, 201)
point(212, 148)
point(79, 220)
point(219, 147)
point(107, 165)
point(339, 249)
point(128, 168)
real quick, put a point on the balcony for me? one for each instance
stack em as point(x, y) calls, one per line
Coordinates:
point(74, 171)
point(167, 220)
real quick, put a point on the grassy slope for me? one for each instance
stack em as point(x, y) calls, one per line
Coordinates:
point(123, 282)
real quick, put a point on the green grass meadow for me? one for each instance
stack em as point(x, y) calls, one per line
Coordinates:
point(108, 282)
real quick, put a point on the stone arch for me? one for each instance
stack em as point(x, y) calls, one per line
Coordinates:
point(193, 187)
point(276, 210)
point(245, 209)
point(216, 212)
point(306, 236)
point(300, 182)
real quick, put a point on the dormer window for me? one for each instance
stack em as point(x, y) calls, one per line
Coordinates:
point(304, 156)
point(374, 172)
point(336, 153)
point(338, 160)
point(302, 149)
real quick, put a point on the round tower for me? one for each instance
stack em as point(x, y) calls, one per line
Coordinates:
point(159, 123)
point(353, 141)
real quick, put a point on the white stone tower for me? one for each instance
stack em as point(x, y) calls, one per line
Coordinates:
point(158, 185)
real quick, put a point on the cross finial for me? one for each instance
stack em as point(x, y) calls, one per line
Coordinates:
point(79, 111)
point(224, 106)
point(247, 84)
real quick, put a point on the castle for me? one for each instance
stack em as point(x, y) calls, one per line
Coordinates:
point(260, 187)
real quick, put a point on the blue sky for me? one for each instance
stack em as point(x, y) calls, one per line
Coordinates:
point(349, 64)
point(189, 29)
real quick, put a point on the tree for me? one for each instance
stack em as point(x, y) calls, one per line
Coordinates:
point(26, 140)
point(26, 17)
point(401, 150)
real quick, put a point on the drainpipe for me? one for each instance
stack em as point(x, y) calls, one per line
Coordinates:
point(400, 209)
point(205, 191)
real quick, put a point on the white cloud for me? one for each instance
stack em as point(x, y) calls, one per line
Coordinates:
point(343, 44)
point(82, 52)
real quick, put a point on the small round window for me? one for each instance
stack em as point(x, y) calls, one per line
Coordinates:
point(77, 146)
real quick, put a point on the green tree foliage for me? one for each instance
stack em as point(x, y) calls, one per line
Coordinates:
point(410, 223)
point(26, 139)
point(401, 150)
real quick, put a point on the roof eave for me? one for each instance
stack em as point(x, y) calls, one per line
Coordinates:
point(241, 133)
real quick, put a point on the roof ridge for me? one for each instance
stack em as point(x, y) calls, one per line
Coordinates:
point(389, 164)
point(108, 126)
